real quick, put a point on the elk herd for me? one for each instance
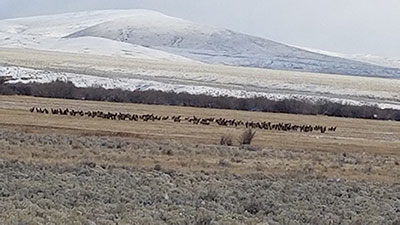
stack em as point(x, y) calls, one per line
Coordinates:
point(179, 119)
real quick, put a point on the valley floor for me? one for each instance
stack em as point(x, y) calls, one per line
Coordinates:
point(26, 65)
point(79, 170)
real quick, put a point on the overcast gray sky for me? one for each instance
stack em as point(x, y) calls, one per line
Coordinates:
point(348, 26)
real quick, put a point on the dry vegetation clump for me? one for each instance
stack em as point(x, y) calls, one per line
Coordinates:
point(226, 140)
point(224, 162)
point(247, 137)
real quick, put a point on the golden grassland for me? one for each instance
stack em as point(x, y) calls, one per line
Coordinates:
point(78, 170)
point(352, 135)
point(293, 151)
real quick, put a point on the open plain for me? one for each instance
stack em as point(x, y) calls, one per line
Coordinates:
point(76, 170)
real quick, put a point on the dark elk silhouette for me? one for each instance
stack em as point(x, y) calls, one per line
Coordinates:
point(178, 119)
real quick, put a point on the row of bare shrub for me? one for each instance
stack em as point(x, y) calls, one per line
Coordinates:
point(68, 90)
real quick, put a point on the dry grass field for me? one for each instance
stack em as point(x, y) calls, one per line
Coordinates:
point(77, 170)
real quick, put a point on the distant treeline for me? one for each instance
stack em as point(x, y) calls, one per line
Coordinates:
point(68, 90)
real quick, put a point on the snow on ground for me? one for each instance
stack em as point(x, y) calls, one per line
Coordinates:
point(47, 33)
point(60, 25)
point(176, 36)
point(373, 59)
point(89, 45)
point(132, 40)
point(26, 75)
point(221, 46)
point(368, 58)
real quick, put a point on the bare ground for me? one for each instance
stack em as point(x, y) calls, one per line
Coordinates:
point(65, 170)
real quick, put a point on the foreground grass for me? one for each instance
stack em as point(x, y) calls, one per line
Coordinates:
point(69, 179)
point(64, 170)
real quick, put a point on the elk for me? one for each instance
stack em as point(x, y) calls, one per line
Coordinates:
point(286, 127)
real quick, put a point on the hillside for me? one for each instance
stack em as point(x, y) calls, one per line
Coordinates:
point(367, 58)
point(179, 38)
point(46, 33)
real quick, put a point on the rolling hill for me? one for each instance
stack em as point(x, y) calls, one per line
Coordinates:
point(150, 34)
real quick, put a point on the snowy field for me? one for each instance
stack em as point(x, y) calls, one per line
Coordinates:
point(195, 78)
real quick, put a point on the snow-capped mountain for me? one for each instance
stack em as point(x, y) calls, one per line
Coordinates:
point(149, 34)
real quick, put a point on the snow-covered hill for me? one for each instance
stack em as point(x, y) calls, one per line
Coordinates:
point(135, 33)
point(367, 58)
point(47, 32)
point(216, 45)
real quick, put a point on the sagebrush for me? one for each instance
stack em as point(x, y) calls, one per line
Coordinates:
point(247, 137)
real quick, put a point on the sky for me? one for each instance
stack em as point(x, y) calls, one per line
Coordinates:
point(345, 26)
